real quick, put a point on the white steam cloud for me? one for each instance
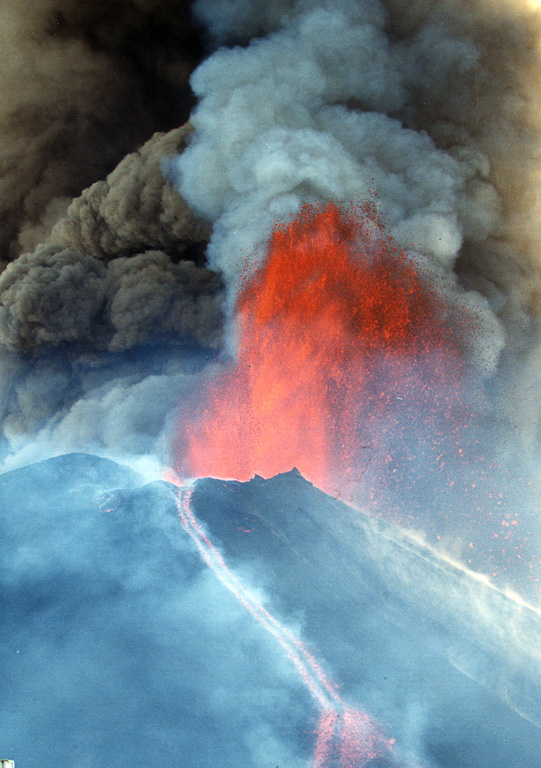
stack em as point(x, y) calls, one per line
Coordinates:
point(316, 110)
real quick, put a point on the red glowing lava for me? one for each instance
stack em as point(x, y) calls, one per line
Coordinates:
point(349, 739)
point(341, 345)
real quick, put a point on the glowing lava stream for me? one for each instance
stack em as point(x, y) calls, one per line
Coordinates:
point(346, 737)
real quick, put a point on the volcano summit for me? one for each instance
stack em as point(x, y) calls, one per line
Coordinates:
point(120, 644)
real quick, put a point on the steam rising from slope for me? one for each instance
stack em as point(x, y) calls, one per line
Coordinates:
point(110, 656)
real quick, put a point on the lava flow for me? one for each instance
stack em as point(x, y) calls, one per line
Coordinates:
point(346, 737)
point(335, 331)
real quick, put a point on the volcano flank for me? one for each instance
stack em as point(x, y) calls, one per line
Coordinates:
point(121, 638)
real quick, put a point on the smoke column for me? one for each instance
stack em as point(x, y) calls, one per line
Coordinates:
point(346, 737)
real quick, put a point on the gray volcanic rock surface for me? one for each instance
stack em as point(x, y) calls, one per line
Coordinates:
point(427, 647)
point(120, 646)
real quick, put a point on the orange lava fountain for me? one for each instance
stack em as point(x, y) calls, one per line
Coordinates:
point(342, 350)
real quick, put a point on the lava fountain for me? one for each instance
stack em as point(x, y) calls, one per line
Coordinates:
point(342, 348)
point(352, 366)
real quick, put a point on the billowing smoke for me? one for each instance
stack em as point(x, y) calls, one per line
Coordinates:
point(430, 110)
point(110, 298)
point(102, 280)
point(82, 85)
point(427, 107)
point(130, 207)
point(105, 301)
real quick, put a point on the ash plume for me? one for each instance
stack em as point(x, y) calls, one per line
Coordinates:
point(57, 295)
point(134, 208)
point(108, 312)
point(111, 273)
point(433, 106)
point(82, 84)
point(105, 286)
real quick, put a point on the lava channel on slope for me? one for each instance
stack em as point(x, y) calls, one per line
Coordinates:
point(345, 737)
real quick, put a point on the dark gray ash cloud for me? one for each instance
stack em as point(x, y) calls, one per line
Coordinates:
point(81, 86)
